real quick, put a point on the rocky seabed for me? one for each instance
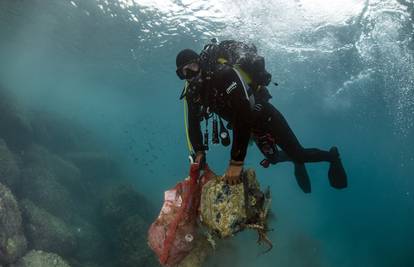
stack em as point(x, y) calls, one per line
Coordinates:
point(64, 203)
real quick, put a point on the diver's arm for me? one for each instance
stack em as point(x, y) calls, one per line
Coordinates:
point(241, 136)
point(194, 129)
point(241, 128)
point(242, 115)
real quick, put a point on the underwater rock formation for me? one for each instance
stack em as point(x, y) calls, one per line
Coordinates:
point(60, 179)
point(47, 232)
point(95, 166)
point(65, 171)
point(134, 251)
point(90, 242)
point(38, 258)
point(126, 216)
point(9, 170)
point(60, 134)
point(40, 185)
point(123, 202)
point(50, 182)
point(198, 254)
point(125, 219)
point(227, 253)
point(15, 127)
point(12, 241)
point(66, 177)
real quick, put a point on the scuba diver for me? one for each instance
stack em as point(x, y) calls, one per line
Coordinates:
point(227, 81)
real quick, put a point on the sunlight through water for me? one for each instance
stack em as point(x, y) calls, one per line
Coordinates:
point(105, 71)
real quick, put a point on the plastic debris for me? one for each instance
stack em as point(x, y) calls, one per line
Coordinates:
point(223, 209)
point(174, 233)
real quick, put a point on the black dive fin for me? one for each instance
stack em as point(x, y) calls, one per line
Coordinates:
point(336, 173)
point(302, 177)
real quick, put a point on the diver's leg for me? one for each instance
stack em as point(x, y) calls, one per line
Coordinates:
point(302, 177)
point(273, 156)
point(336, 173)
point(287, 140)
point(301, 174)
point(266, 142)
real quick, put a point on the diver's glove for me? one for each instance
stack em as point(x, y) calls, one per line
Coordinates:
point(233, 172)
point(200, 158)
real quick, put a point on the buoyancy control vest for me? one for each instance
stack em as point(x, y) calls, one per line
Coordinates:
point(250, 67)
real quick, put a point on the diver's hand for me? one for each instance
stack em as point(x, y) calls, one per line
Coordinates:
point(200, 158)
point(233, 172)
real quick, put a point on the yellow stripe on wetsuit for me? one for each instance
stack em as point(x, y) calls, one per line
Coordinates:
point(190, 147)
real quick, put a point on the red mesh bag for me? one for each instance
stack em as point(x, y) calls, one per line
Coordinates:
point(172, 236)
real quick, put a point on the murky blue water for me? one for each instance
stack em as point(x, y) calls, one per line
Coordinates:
point(345, 70)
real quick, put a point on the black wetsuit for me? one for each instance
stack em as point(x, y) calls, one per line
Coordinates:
point(228, 96)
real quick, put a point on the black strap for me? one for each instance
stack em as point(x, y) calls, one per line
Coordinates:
point(183, 93)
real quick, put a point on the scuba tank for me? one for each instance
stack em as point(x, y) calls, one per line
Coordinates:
point(234, 53)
